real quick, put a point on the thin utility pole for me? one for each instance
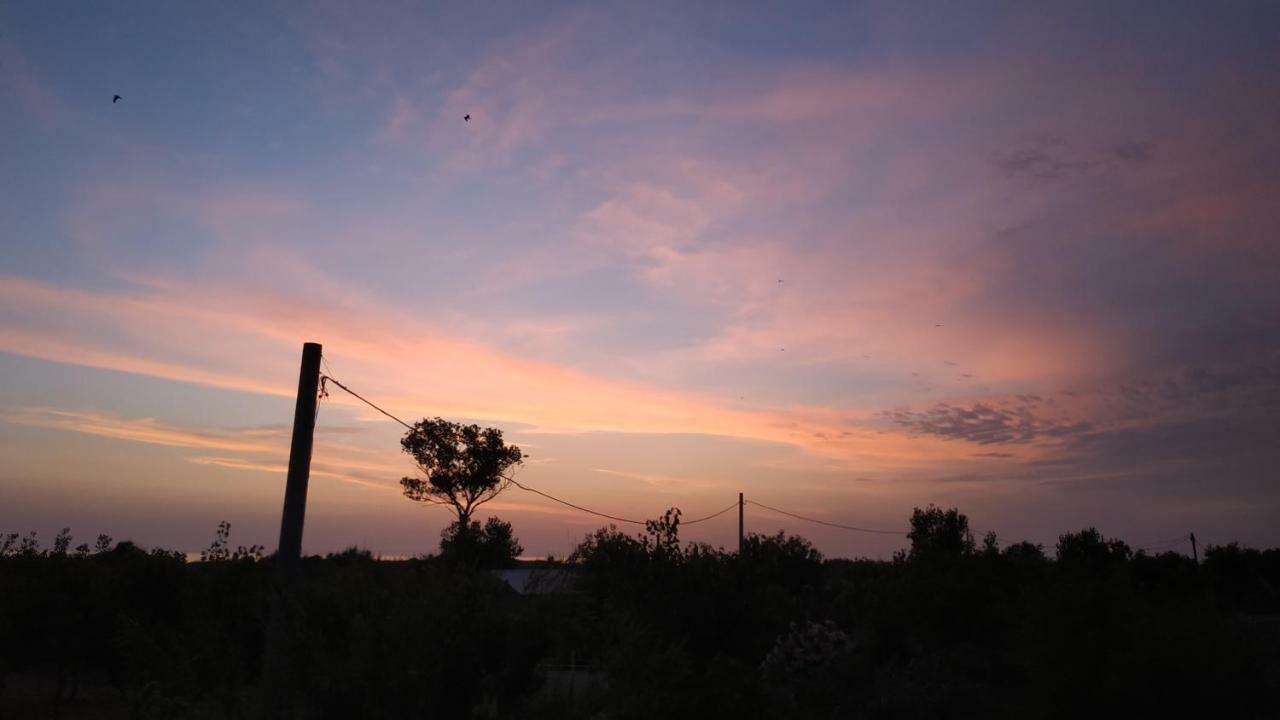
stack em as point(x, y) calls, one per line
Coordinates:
point(1195, 553)
point(276, 671)
point(740, 524)
point(295, 489)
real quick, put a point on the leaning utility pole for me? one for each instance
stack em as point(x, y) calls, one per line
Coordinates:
point(739, 524)
point(288, 556)
point(275, 670)
point(1195, 553)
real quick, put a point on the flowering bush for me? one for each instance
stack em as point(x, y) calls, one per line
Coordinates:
point(805, 651)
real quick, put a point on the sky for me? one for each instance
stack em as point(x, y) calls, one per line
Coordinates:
point(847, 259)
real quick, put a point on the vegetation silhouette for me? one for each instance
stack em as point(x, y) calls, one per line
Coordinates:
point(648, 626)
point(463, 467)
point(493, 545)
point(939, 535)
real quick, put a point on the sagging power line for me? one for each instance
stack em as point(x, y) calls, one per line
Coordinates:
point(327, 378)
point(569, 504)
point(513, 481)
point(330, 379)
point(709, 517)
point(324, 379)
point(824, 522)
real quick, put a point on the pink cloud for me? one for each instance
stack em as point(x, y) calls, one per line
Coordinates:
point(398, 359)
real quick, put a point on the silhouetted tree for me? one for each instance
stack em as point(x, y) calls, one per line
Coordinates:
point(1025, 552)
point(661, 537)
point(1089, 549)
point(936, 533)
point(492, 546)
point(1245, 578)
point(991, 545)
point(789, 561)
point(464, 465)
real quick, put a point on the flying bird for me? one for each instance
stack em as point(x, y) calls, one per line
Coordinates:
point(938, 325)
point(115, 99)
point(466, 118)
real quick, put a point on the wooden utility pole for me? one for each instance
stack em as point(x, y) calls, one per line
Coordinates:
point(275, 670)
point(1195, 552)
point(289, 553)
point(739, 524)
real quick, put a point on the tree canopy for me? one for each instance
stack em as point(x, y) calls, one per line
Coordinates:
point(493, 545)
point(463, 466)
point(939, 533)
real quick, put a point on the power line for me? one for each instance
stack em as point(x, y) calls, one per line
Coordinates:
point(1164, 544)
point(566, 503)
point(1161, 544)
point(1170, 541)
point(513, 481)
point(575, 507)
point(824, 522)
point(709, 517)
point(362, 399)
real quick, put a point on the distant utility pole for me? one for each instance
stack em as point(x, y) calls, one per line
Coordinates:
point(739, 524)
point(295, 489)
point(1195, 553)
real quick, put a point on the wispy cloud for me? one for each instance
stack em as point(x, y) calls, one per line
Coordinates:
point(667, 483)
point(255, 449)
point(984, 424)
point(384, 354)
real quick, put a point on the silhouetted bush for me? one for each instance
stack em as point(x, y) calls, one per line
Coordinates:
point(492, 546)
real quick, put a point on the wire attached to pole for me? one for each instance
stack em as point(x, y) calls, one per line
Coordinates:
point(824, 522)
point(709, 517)
point(526, 488)
point(323, 393)
point(362, 399)
point(566, 503)
point(1163, 544)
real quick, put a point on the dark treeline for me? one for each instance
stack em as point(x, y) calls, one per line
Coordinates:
point(645, 626)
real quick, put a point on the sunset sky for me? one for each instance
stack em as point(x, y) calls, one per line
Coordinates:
point(846, 259)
